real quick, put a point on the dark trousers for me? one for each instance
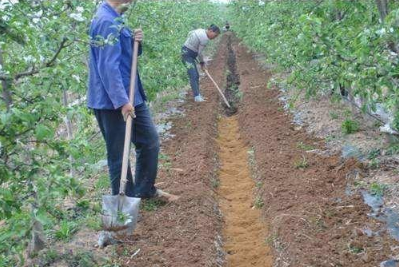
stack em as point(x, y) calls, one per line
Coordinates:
point(189, 60)
point(146, 141)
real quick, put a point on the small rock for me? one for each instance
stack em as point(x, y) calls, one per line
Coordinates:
point(366, 258)
point(357, 232)
point(106, 238)
point(349, 151)
point(390, 263)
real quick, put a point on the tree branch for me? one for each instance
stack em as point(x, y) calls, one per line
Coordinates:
point(43, 9)
point(61, 46)
point(33, 70)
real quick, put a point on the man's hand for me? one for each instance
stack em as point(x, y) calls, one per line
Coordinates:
point(128, 110)
point(138, 35)
point(203, 66)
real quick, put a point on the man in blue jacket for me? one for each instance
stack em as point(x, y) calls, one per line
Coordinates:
point(111, 54)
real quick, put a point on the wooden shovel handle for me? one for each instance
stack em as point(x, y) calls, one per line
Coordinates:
point(129, 121)
point(217, 87)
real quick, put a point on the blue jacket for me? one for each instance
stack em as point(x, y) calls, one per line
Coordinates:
point(110, 62)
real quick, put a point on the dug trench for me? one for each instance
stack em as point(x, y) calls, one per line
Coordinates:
point(312, 221)
point(250, 193)
point(244, 231)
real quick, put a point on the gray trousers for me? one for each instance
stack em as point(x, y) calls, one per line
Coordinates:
point(189, 60)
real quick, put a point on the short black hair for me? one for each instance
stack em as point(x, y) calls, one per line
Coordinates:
point(214, 28)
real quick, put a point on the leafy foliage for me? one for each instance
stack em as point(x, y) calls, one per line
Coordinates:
point(49, 142)
point(377, 189)
point(166, 25)
point(328, 47)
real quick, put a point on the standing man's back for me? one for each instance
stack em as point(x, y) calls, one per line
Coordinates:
point(110, 61)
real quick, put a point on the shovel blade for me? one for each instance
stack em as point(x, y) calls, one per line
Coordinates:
point(120, 213)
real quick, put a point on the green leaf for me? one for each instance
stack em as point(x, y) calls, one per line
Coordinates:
point(43, 132)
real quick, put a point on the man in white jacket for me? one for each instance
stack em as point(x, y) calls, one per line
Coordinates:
point(193, 48)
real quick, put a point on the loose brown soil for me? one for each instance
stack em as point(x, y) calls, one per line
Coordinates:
point(185, 233)
point(244, 232)
point(313, 222)
point(306, 215)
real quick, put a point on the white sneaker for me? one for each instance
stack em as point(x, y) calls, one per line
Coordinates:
point(199, 98)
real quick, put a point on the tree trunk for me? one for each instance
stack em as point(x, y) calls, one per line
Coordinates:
point(69, 130)
point(5, 86)
point(382, 9)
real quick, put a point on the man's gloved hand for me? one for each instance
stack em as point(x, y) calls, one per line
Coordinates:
point(128, 110)
point(138, 35)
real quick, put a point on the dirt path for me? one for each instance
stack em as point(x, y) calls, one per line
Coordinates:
point(244, 232)
point(185, 233)
point(313, 222)
point(304, 213)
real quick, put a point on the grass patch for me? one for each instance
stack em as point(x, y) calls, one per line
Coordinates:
point(259, 185)
point(215, 183)
point(359, 184)
point(355, 249)
point(238, 94)
point(152, 204)
point(393, 150)
point(270, 239)
point(81, 259)
point(331, 138)
point(334, 115)
point(259, 203)
point(169, 97)
point(93, 222)
point(373, 154)
point(188, 124)
point(103, 182)
point(374, 164)
point(165, 162)
point(49, 257)
point(66, 230)
point(350, 126)
point(304, 146)
point(301, 164)
point(377, 189)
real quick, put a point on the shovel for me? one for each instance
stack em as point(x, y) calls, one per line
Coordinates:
point(217, 87)
point(120, 212)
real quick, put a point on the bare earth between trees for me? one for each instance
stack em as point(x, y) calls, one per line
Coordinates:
point(251, 194)
point(307, 218)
